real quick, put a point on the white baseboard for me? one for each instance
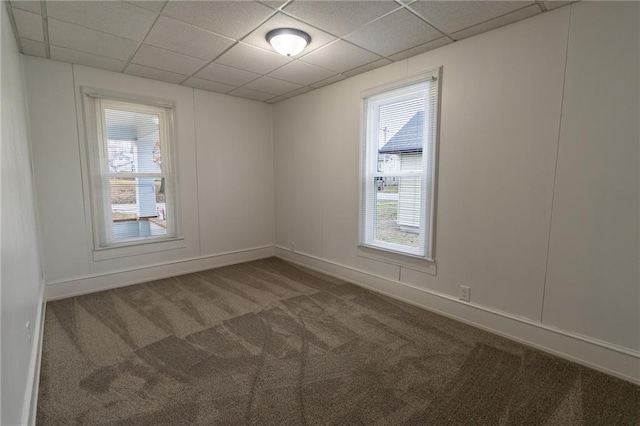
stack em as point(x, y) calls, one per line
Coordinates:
point(603, 356)
point(105, 281)
point(29, 407)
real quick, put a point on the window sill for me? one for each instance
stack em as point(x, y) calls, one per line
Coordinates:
point(415, 263)
point(138, 248)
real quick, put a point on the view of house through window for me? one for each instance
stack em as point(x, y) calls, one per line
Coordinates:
point(398, 164)
point(131, 171)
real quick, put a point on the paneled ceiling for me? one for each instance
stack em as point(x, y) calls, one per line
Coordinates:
point(220, 46)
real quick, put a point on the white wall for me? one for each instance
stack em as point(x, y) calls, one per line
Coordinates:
point(225, 166)
point(21, 280)
point(235, 171)
point(593, 255)
point(510, 111)
point(496, 165)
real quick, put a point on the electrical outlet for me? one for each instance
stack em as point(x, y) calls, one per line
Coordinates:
point(28, 327)
point(465, 293)
point(293, 246)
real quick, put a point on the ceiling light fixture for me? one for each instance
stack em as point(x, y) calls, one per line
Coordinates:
point(288, 41)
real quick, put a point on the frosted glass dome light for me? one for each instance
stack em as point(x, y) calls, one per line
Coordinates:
point(288, 41)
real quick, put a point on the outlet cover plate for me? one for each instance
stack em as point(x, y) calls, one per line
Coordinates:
point(465, 293)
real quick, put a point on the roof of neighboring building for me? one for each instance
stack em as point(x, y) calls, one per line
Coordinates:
point(408, 138)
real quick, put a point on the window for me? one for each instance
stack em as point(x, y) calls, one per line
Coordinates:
point(133, 181)
point(398, 167)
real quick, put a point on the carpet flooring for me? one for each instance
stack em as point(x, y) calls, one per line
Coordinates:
point(271, 343)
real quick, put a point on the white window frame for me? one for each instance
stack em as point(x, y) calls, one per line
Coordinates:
point(423, 256)
point(104, 245)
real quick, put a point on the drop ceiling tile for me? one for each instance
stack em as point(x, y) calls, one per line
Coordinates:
point(29, 24)
point(498, 22)
point(394, 33)
point(368, 67)
point(549, 4)
point(452, 16)
point(211, 86)
point(113, 17)
point(340, 17)
point(227, 75)
point(272, 85)
point(276, 99)
point(252, 59)
point(154, 74)
point(185, 38)
point(167, 60)
point(300, 91)
point(33, 48)
point(28, 5)
point(339, 56)
point(74, 37)
point(301, 73)
point(88, 59)
point(233, 19)
point(250, 94)
point(328, 81)
point(443, 41)
point(258, 37)
point(276, 4)
point(153, 5)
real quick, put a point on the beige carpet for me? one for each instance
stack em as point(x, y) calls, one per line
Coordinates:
point(270, 343)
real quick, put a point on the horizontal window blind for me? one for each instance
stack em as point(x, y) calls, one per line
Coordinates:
point(133, 188)
point(399, 131)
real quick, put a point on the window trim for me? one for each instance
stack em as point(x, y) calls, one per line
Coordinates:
point(419, 264)
point(93, 150)
point(389, 252)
